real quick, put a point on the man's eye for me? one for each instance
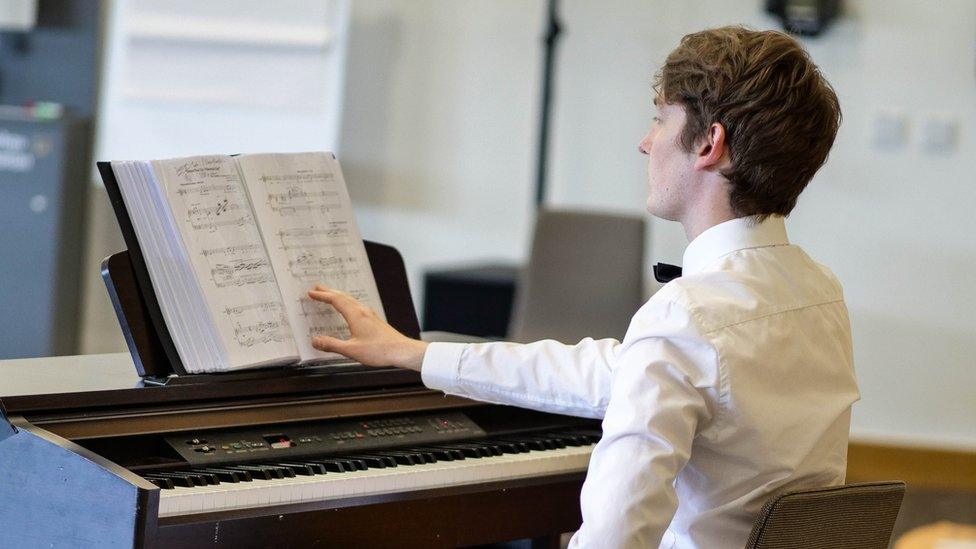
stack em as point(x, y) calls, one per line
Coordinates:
point(656, 120)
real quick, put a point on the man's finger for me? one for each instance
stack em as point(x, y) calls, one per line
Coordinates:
point(343, 303)
point(329, 344)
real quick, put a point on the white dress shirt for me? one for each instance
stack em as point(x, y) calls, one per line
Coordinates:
point(733, 382)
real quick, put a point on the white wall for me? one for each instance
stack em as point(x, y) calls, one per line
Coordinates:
point(439, 133)
point(438, 145)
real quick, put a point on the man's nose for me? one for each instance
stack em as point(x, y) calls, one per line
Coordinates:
point(645, 144)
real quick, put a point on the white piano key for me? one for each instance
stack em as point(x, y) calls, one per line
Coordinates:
point(262, 493)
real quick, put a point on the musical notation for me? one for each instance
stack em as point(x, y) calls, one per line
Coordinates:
point(242, 272)
point(305, 238)
point(259, 323)
point(258, 333)
point(219, 214)
point(308, 266)
point(218, 227)
point(205, 189)
point(232, 250)
point(303, 208)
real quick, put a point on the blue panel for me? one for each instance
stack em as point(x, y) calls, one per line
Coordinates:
point(31, 207)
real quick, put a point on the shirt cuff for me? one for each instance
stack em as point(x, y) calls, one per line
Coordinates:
point(442, 365)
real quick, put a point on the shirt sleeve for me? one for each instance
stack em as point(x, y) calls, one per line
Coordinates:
point(663, 390)
point(545, 375)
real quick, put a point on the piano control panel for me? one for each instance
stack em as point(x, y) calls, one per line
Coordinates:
point(333, 437)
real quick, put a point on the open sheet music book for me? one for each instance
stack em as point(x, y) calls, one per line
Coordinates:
point(233, 244)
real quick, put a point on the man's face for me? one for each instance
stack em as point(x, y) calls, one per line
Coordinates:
point(670, 169)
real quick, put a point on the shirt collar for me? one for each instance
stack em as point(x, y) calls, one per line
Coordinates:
point(733, 235)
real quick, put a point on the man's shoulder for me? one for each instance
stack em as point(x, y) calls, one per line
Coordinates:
point(741, 287)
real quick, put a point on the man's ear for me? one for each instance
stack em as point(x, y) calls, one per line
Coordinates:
point(711, 150)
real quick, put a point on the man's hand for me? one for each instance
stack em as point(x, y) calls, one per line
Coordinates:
point(372, 342)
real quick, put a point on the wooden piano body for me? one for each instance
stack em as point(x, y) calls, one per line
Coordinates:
point(83, 430)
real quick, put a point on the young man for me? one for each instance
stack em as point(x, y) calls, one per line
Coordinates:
point(734, 381)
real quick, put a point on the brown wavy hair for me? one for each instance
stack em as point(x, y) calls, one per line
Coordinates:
point(780, 114)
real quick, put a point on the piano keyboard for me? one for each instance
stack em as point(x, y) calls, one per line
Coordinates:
point(228, 487)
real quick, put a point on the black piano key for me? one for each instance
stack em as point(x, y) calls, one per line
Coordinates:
point(388, 461)
point(209, 478)
point(261, 473)
point(286, 472)
point(373, 462)
point(426, 456)
point(534, 443)
point(466, 450)
point(491, 448)
point(225, 475)
point(198, 479)
point(552, 442)
point(405, 458)
point(298, 468)
point(357, 464)
point(334, 465)
point(162, 482)
point(569, 439)
point(512, 446)
point(455, 453)
point(178, 480)
point(432, 455)
point(592, 436)
point(317, 468)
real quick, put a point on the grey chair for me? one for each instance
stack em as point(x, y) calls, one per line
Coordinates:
point(584, 277)
point(853, 516)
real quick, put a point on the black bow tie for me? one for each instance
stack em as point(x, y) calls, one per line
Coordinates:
point(665, 273)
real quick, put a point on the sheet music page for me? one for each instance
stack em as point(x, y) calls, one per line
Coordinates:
point(214, 218)
point(306, 219)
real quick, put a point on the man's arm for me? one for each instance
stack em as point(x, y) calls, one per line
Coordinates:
point(545, 375)
point(664, 390)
